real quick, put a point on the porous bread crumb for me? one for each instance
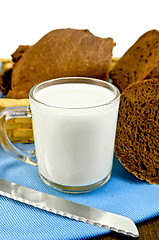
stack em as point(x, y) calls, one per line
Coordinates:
point(137, 136)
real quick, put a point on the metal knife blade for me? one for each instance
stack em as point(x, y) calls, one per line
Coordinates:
point(68, 208)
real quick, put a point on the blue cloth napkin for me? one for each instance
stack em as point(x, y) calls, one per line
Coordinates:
point(122, 194)
point(1, 94)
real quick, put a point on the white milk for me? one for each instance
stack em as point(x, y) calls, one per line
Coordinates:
point(74, 95)
point(74, 147)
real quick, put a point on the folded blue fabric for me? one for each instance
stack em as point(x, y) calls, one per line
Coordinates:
point(123, 194)
point(1, 94)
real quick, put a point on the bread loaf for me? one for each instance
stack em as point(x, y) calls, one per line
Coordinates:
point(60, 53)
point(140, 62)
point(137, 136)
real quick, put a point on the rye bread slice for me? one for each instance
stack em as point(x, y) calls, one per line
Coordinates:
point(140, 62)
point(137, 136)
point(61, 53)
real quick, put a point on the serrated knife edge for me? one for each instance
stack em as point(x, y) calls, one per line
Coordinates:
point(96, 217)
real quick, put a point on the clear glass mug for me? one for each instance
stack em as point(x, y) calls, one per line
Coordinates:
point(74, 146)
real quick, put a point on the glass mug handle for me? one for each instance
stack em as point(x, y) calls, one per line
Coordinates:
point(10, 148)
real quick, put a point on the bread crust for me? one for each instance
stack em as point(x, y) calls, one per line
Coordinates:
point(140, 62)
point(61, 53)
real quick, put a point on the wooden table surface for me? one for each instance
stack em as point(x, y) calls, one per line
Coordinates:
point(148, 230)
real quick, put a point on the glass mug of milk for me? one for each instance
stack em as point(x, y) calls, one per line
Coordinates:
point(74, 124)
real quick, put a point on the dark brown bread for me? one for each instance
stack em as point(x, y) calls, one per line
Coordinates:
point(5, 76)
point(137, 136)
point(19, 52)
point(61, 53)
point(140, 62)
point(5, 81)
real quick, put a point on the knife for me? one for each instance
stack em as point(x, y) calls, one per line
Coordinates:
point(69, 209)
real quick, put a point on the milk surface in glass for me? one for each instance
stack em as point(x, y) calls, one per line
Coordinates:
point(74, 132)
